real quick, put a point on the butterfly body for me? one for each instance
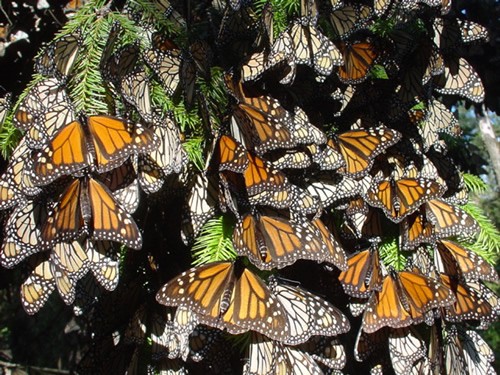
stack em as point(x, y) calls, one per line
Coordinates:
point(88, 207)
point(103, 143)
point(404, 300)
point(228, 296)
point(400, 198)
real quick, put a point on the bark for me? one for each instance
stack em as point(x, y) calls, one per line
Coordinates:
point(491, 143)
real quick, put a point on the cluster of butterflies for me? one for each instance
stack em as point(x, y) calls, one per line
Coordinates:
point(73, 182)
point(330, 146)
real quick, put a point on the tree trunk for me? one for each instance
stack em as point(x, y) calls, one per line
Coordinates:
point(490, 141)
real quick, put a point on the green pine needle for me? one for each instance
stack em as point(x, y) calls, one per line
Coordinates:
point(391, 256)
point(194, 150)
point(474, 183)
point(487, 243)
point(214, 242)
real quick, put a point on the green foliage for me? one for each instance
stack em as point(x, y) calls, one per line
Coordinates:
point(391, 255)
point(282, 11)
point(474, 184)
point(487, 243)
point(194, 149)
point(214, 242)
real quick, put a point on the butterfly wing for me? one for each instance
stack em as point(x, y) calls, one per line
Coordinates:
point(363, 275)
point(113, 141)
point(308, 315)
point(66, 220)
point(109, 221)
point(360, 147)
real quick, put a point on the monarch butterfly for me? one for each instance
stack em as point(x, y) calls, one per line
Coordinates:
point(46, 96)
point(449, 34)
point(261, 356)
point(272, 241)
point(103, 267)
point(400, 198)
point(312, 48)
point(165, 58)
point(330, 188)
point(202, 55)
point(201, 204)
point(439, 119)
point(288, 159)
point(169, 156)
point(88, 204)
point(72, 7)
point(103, 140)
point(472, 32)
point(464, 355)
point(70, 257)
point(477, 354)
point(327, 351)
point(255, 67)
point(362, 221)
point(260, 123)
point(416, 229)
point(232, 156)
point(363, 275)
point(460, 78)
point(404, 299)
point(185, 324)
point(303, 131)
point(449, 220)
point(207, 343)
point(358, 59)
point(304, 203)
point(266, 185)
point(474, 301)
point(120, 64)
point(308, 315)
point(15, 183)
point(135, 89)
point(23, 233)
point(457, 261)
point(283, 50)
point(226, 295)
point(57, 59)
point(349, 18)
point(48, 123)
point(368, 343)
point(123, 182)
point(324, 156)
point(406, 348)
point(360, 147)
point(272, 357)
point(37, 288)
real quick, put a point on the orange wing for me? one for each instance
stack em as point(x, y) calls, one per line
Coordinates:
point(226, 296)
point(66, 219)
point(449, 220)
point(400, 198)
point(232, 155)
point(456, 260)
point(113, 141)
point(416, 229)
point(360, 147)
point(363, 274)
point(404, 299)
point(359, 58)
point(385, 308)
point(64, 155)
point(110, 221)
point(471, 301)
